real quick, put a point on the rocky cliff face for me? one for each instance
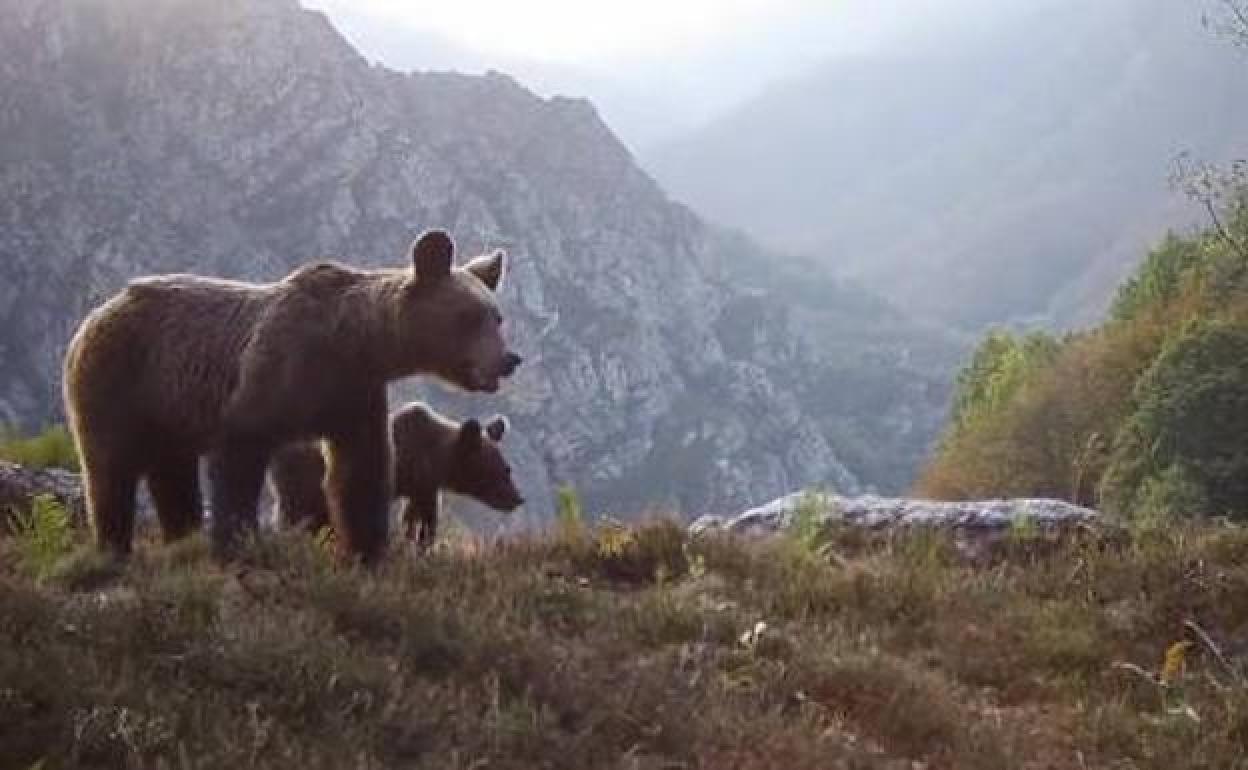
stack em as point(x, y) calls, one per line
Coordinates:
point(243, 137)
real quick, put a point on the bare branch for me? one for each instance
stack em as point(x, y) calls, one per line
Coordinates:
point(1214, 650)
point(1222, 232)
point(1214, 189)
point(1240, 16)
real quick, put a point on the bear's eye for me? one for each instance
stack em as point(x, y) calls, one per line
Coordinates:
point(472, 319)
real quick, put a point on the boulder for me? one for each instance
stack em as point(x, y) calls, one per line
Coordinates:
point(974, 524)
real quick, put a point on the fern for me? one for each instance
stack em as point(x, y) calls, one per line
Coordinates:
point(324, 540)
point(43, 535)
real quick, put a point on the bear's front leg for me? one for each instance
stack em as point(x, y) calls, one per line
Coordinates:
point(358, 484)
point(420, 517)
point(236, 470)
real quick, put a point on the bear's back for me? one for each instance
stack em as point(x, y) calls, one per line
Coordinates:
point(422, 443)
point(163, 353)
point(325, 277)
point(417, 424)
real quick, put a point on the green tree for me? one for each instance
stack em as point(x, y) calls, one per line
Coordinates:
point(997, 369)
point(1159, 280)
point(1187, 438)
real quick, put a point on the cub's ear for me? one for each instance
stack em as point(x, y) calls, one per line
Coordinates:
point(496, 428)
point(489, 268)
point(470, 434)
point(432, 254)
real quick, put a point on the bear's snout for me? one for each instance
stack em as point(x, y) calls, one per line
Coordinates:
point(510, 503)
point(511, 362)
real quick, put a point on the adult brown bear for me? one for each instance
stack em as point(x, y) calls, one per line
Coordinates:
point(431, 453)
point(178, 366)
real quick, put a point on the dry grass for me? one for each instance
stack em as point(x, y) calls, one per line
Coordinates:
point(631, 649)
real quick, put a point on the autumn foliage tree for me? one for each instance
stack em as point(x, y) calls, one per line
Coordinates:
point(1148, 413)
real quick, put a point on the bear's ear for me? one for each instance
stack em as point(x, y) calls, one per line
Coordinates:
point(489, 268)
point(432, 254)
point(496, 428)
point(470, 435)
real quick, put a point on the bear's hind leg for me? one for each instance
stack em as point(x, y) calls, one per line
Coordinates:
point(429, 527)
point(302, 506)
point(174, 484)
point(306, 513)
point(410, 519)
point(236, 472)
point(316, 512)
point(110, 492)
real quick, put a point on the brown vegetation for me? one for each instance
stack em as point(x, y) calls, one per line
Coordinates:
point(623, 648)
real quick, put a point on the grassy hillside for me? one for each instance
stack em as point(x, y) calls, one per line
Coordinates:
point(631, 649)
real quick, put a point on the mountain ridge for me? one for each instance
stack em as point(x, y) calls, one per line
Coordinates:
point(243, 138)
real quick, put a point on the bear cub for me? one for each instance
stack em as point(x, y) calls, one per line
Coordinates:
point(431, 453)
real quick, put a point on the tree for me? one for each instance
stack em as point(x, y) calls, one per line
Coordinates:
point(1187, 438)
point(999, 366)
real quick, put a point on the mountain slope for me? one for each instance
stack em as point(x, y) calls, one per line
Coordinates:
point(1009, 174)
point(241, 138)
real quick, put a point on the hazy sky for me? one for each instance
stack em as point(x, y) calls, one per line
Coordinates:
point(653, 67)
point(580, 31)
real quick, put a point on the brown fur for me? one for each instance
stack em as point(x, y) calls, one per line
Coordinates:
point(431, 453)
point(175, 367)
point(296, 477)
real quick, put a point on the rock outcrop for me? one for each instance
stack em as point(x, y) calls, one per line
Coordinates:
point(974, 525)
point(20, 485)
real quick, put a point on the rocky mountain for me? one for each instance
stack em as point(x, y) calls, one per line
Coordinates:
point(1013, 169)
point(667, 362)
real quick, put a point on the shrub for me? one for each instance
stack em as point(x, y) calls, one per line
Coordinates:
point(53, 448)
point(569, 516)
point(654, 552)
point(807, 528)
point(1168, 495)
